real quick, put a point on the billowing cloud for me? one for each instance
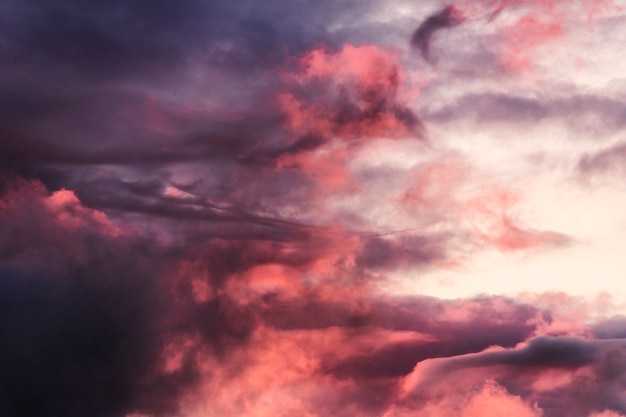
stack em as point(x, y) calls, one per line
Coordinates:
point(353, 93)
point(561, 376)
point(82, 323)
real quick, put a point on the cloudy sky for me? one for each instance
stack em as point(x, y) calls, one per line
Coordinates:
point(312, 208)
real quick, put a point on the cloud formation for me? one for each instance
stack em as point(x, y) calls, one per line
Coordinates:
point(216, 209)
point(446, 18)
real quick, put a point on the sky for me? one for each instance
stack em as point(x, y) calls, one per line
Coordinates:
point(312, 208)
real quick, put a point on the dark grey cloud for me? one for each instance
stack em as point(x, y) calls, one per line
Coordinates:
point(613, 328)
point(446, 18)
point(103, 41)
point(594, 390)
point(86, 87)
point(587, 113)
point(87, 315)
point(81, 321)
point(383, 253)
point(489, 108)
point(487, 325)
point(606, 160)
point(77, 78)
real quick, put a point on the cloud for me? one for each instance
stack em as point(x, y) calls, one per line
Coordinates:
point(353, 93)
point(524, 30)
point(84, 333)
point(605, 160)
point(484, 399)
point(240, 327)
point(481, 216)
point(446, 18)
point(593, 113)
point(91, 329)
point(380, 252)
point(237, 209)
point(584, 386)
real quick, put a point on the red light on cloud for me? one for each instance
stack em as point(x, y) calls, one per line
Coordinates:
point(491, 214)
point(348, 94)
point(281, 257)
point(524, 37)
point(467, 200)
point(535, 24)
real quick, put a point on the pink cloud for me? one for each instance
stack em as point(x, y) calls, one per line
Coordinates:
point(486, 212)
point(295, 327)
point(228, 208)
point(356, 92)
point(33, 219)
point(326, 166)
point(607, 413)
point(524, 37)
point(535, 24)
point(564, 373)
point(491, 213)
point(483, 399)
